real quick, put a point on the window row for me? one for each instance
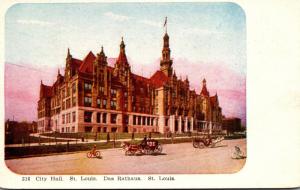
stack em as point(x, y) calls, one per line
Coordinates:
point(143, 120)
point(68, 129)
point(66, 118)
point(100, 117)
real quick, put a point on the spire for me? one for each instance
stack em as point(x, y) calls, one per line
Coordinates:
point(166, 41)
point(69, 54)
point(102, 52)
point(122, 46)
point(58, 71)
point(204, 90)
point(41, 82)
point(122, 59)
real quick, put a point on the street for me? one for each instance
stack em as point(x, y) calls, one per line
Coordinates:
point(175, 159)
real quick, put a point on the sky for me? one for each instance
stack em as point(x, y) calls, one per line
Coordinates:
point(212, 34)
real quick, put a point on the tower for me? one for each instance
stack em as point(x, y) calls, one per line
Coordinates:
point(122, 68)
point(166, 62)
point(204, 91)
point(68, 68)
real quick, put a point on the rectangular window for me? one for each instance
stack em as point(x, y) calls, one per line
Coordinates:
point(101, 90)
point(98, 117)
point(67, 118)
point(104, 104)
point(113, 104)
point(126, 119)
point(113, 92)
point(144, 120)
point(113, 118)
point(166, 122)
point(73, 88)
point(88, 116)
point(98, 102)
point(125, 94)
point(104, 117)
point(134, 120)
point(73, 101)
point(73, 129)
point(87, 101)
point(74, 116)
point(68, 91)
point(68, 103)
point(87, 87)
point(63, 119)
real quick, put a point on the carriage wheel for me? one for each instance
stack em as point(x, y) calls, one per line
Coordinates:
point(195, 144)
point(127, 153)
point(98, 154)
point(158, 148)
point(147, 150)
point(89, 154)
point(201, 145)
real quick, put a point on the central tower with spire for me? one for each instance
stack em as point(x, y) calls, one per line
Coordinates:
point(166, 62)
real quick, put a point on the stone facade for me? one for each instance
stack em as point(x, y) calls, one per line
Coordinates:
point(94, 97)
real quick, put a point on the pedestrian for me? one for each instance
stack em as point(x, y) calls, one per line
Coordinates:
point(96, 135)
point(132, 136)
point(107, 137)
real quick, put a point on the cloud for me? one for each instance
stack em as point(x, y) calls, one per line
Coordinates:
point(152, 23)
point(116, 17)
point(35, 22)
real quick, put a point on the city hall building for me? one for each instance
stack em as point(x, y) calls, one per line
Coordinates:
point(94, 97)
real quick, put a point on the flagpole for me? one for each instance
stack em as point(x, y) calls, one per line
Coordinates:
point(166, 24)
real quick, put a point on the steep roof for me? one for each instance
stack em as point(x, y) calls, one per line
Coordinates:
point(142, 79)
point(158, 79)
point(87, 63)
point(122, 58)
point(77, 62)
point(204, 91)
point(214, 100)
point(46, 91)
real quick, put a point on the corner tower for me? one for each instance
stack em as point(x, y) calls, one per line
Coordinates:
point(166, 62)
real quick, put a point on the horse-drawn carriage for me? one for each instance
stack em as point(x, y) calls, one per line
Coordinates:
point(206, 141)
point(148, 147)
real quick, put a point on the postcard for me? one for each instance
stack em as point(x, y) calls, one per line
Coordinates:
point(138, 95)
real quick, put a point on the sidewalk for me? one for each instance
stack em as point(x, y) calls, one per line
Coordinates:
point(78, 141)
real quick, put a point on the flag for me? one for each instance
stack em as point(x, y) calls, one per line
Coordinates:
point(165, 21)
